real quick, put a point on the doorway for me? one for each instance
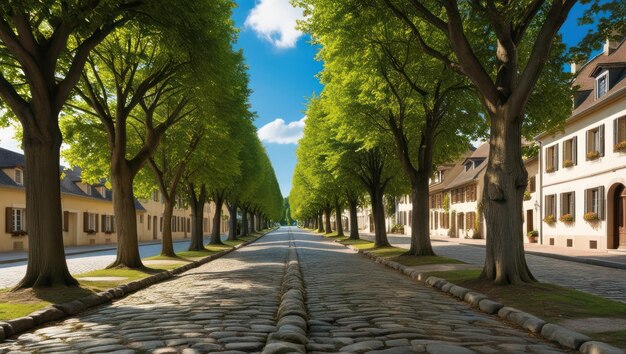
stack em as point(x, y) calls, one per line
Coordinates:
point(616, 222)
point(529, 221)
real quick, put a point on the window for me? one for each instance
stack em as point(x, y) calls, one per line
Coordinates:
point(18, 220)
point(107, 221)
point(438, 177)
point(89, 190)
point(155, 196)
point(161, 226)
point(141, 220)
point(471, 193)
point(569, 152)
point(552, 158)
point(469, 165)
point(90, 223)
point(149, 223)
point(602, 85)
point(595, 142)
point(550, 205)
point(568, 204)
point(532, 184)
point(19, 177)
point(594, 201)
point(470, 220)
point(619, 134)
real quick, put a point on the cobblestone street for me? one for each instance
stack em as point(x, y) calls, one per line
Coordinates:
point(230, 304)
point(609, 283)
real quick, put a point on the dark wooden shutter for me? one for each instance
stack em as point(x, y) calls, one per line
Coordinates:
point(555, 163)
point(85, 222)
point(561, 203)
point(104, 223)
point(96, 228)
point(615, 128)
point(601, 133)
point(9, 220)
point(587, 200)
point(601, 202)
point(572, 204)
point(66, 221)
point(575, 150)
point(161, 224)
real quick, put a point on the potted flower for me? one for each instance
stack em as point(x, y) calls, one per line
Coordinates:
point(549, 219)
point(593, 155)
point(567, 218)
point(621, 146)
point(591, 216)
point(568, 163)
point(550, 169)
point(527, 195)
point(532, 236)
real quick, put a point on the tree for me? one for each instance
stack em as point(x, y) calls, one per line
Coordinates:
point(44, 46)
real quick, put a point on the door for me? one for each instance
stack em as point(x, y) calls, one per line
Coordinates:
point(620, 217)
point(154, 227)
point(529, 221)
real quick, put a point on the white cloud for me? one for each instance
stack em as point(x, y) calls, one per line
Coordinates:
point(8, 141)
point(275, 22)
point(278, 132)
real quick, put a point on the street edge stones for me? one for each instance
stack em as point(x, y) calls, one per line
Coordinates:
point(552, 332)
point(291, 329)
point(57, 312)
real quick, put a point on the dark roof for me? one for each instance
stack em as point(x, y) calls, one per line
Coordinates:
point(450, 172)
point(9, 159)
point(479, 157)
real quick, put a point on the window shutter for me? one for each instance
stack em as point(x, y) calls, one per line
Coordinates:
point(161, 228)
point(601, 139)
point(588, 142)
point(546, 209)
point(587, 200)
point(572, 204)
point(601, 202)
point(66, 221)
point(561, 203)
point(85, 222)
point(555, 163)
point(112, 223)
point(575, 150)
point(104, 222)
point(9, 220)
point(615, 129)
point(96, 228)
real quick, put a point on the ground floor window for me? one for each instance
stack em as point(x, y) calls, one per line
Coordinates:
point(107, 222)
point(16, 220)
point(594, 203)
point(568, 204)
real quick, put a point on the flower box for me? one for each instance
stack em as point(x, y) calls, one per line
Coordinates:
point(527, 195)
point(591, 216)
point(567, 218)
point(550, 170)
point(593, 155)
point(568, 163)
point(549, 219)
point(620, 147)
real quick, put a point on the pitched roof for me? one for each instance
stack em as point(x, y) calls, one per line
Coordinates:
point(451, 172)
point(9, 159)
point(479, 158)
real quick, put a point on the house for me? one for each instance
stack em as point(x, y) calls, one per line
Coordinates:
point(583, 168)
point(88, 217)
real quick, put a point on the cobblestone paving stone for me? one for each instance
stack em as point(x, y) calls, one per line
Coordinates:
point(227, 305)
point(359, 306)
point(609, 283)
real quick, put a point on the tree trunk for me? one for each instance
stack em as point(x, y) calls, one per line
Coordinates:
point(378, 210)
point(244, 222)
point(46, 255)
point(167, 248)
point(338, 219)
point(320, 222)
point(252, 222)
point(216, 238)
point(505, 182)
point(328, 227)
point(232, 229)
point(354, 223)
point(125, 220)
point(197, 216)
point(420, 230)
point(259, 222)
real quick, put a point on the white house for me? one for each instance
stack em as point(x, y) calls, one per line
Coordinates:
point(583, 168)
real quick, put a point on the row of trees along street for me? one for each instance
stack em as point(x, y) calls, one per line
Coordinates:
point(409, 84)
point(145, 94)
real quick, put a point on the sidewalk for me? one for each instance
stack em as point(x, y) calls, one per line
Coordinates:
point(14, 257)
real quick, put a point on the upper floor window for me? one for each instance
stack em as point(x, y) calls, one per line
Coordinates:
point(89, 190)
point(552, 158)
point(619, 134)
point(569, 152)
point(155, 196)
point(438, 177)
point(602, 84)
point(532, 184)
point(19, 176)
point(594, 203)
point(595, 142)
point(469, 165)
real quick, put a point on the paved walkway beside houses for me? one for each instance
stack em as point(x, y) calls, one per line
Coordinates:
point(547, 263)
point(84, 259)
point(354, 306)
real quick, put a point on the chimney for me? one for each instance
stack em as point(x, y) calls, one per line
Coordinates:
point(609, 46)
point(576, 66)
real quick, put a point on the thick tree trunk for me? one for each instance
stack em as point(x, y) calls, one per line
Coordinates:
point(320, 222)
point(259, 222)
point(327, 212)
point(338, 219)
point(244, 222)
point(253, 220)
point(378, 210)
point(420, 230)
point(125, 220)
point(216, 238)
point(197, 217)
point(232, 228)
point(505, 182)
point(167, 246)
point(46, 258)
point(354, 223)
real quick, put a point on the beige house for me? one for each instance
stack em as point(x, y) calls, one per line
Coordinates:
point(88, 217)
point(583, 168)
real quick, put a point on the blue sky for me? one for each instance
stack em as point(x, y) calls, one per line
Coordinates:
point(282, 74)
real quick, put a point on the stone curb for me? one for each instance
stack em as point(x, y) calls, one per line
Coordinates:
point(552, 332)
point(291, 332)
point(57, 312)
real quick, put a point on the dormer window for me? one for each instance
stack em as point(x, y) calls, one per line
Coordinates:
point(102, 190)
point(88, 190)
point(469, 165)
point(19, 177)
point(602, 84)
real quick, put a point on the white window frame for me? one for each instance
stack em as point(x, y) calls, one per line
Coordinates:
point(108, 223)
point(91, 221)
point(18, 220)
point(605, 76)
point(19, 177)
point(89, 190)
